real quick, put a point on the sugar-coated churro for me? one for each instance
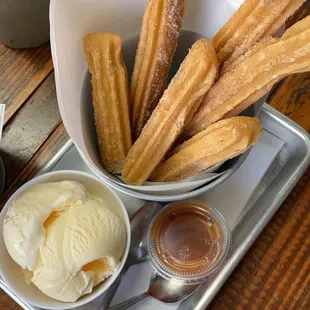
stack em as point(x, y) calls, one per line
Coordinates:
point(231, 63)
point(219, 142)
point(285, 14)
point(294, 29)
point(193, 79)
point(254, 20)
point(253, 77)
point(110, 98)
point(160, 31)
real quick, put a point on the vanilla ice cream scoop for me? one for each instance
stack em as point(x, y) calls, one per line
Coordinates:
point(69, 240)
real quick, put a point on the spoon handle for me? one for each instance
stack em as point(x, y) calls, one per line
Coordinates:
point(127, 303)
point(112, 290)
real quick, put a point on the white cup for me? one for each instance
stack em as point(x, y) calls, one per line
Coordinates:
point(11, 272)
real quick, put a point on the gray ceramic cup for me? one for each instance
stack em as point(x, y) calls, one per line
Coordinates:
point(24, 23)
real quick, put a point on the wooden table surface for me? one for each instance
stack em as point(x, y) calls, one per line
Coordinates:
point(274, 274)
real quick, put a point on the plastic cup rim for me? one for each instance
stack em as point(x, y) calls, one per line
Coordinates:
point(192, 279)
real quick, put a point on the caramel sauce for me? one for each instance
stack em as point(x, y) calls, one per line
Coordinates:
point(187, 238)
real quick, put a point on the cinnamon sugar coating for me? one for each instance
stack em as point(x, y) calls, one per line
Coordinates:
point(178, 103)
point(159, 35)
point(110, 98)
point(219, 142)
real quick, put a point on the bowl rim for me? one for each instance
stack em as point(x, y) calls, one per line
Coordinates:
point(171, 197)
point(94, 294)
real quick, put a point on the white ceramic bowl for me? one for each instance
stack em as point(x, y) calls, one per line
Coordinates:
point(11, 272)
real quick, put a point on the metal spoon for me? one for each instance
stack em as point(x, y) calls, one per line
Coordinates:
point(168, 291)
point(139, 223)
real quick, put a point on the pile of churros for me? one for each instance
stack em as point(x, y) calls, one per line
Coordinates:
point(150, 131)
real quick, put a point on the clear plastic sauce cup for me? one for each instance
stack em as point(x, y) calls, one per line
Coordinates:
point(188, 241)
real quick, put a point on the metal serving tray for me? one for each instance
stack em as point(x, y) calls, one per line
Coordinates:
point(271, 189)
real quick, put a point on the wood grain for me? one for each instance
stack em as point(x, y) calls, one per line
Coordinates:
point(24, 134)
point(47, 150)
point(275, 273)
point(292, 95)
point(292, 98)
point(6, 303)
point(21, 73)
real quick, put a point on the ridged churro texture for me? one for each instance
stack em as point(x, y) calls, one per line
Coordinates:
point(253, 77)
point(160, 31)
point(232, 63)
point(219, 142)
point(254, 20)
point(110, 98)
point(178, 103)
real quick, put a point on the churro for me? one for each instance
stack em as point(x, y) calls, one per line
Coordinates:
point(253, 77)
point(254, 20)
point(193, 79)
point(294, 29)
point(219, 142)
point(110, 98)
point(160, 31)
point(231, 63)
point(286, 13)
